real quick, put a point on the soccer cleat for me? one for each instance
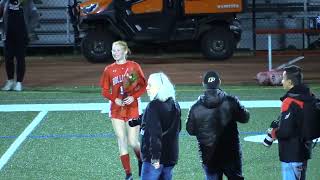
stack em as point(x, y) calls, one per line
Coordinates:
point(9, 85)
point(129, 177)
point(18, 87)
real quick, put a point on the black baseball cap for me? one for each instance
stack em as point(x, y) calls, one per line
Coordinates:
point(211, 80)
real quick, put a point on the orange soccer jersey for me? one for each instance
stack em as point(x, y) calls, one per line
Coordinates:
point(119, 81)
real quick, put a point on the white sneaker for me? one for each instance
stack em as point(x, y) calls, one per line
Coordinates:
point(9, 85)
point(18, 86)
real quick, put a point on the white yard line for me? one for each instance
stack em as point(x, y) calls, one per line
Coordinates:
point(15, 145)
point(103, 106)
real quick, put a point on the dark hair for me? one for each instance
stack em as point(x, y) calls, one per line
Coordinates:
point(294, 74)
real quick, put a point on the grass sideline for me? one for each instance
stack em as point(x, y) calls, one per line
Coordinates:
point(81, 144)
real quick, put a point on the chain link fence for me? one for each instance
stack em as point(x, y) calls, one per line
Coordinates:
point(297, 17)
point(281, 41)
point(55, 26)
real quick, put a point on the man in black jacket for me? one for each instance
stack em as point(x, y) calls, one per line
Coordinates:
point(213, 120)
point(293, 150)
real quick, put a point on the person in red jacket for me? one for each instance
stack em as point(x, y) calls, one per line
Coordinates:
point(123, 82)
point(294, 151)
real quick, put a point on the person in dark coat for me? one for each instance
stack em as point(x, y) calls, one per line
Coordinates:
point(294, 152)
point(160, 128)
point(213, 120)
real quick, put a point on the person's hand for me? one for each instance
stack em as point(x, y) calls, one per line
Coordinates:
point(134, 122)
point(269, 130)
point(119, 102)
point(272, 132)
point(128, 100)
point(155, 163)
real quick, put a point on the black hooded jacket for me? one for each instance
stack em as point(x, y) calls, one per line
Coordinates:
point(212, 119)
point(291, 146)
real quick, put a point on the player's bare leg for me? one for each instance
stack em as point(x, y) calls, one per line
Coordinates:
point(119, 127)
point(133, 141)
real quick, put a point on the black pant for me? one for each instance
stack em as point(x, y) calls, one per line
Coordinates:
point(233, 172)
point(231, 169)
point(15, 45)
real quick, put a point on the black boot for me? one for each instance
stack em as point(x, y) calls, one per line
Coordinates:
point(129, 177)
point(140, 167)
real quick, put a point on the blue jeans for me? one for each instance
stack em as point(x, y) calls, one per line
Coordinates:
point(294, 170)
point(149, 172)
point(233, 173)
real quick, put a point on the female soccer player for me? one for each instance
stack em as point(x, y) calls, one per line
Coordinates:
point(123, 82)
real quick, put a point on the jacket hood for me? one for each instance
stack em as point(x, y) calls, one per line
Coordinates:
point(168, 105)
point(212, 98)
point(300, 92)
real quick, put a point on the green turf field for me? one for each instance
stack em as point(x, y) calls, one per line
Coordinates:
point(81, 144)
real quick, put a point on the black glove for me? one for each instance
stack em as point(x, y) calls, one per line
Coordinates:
point(134, 122)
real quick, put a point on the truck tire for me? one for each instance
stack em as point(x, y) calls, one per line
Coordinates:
point(96, 46)
point(218, 44)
